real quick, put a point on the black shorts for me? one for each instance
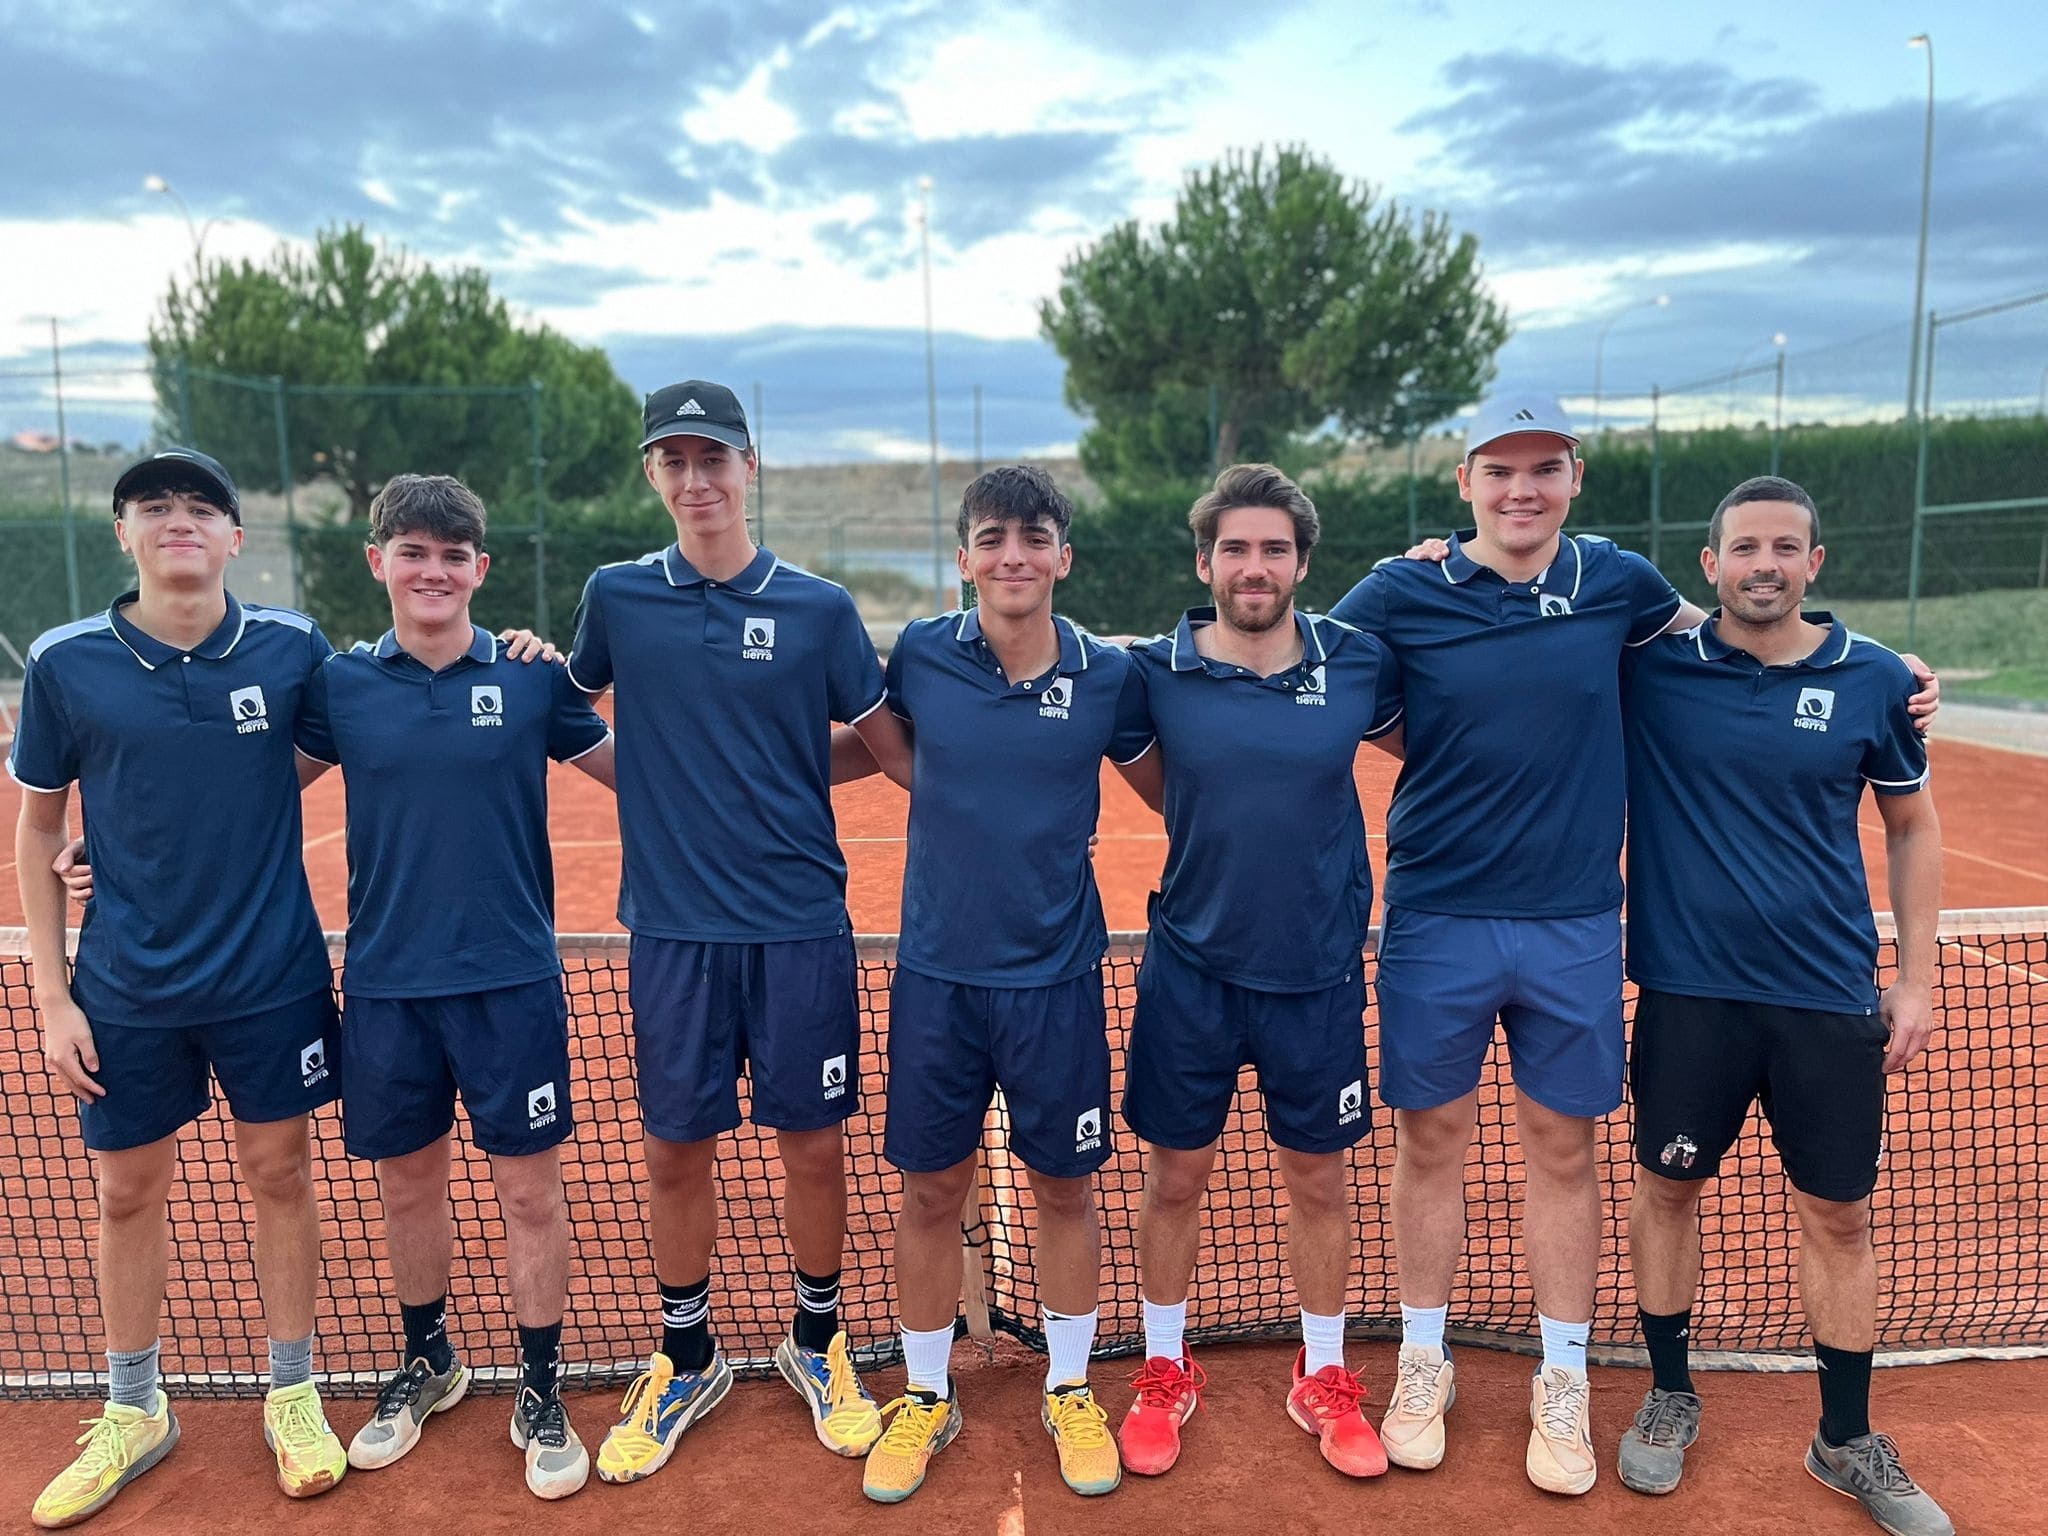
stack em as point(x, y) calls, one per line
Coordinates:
point(1695, 1064)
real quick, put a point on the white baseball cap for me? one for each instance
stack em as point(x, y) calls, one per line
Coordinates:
point(1514, 416)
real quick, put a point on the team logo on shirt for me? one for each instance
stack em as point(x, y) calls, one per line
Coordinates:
point(757, 639)
point(1315, 688)
point(1057, 702)
point(1678, 1152)
point(248, 709)
point(1088, 1130)
point(541, 1106)
point(313, 1062)
point(1815, 708)
point(833, 1077)
point(1551, 606)
point(486, 705)
point(1351, 1102)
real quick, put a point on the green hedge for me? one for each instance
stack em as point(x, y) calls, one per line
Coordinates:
point(33, 573)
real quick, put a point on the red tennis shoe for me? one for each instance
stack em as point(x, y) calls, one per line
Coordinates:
point(1331, 1406)
point(1169, 1391)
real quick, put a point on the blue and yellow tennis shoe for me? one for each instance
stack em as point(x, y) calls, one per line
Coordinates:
point(844, 1415)
point(659, 1406)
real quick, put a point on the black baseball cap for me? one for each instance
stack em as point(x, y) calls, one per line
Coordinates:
point(179, 469)
point(695, 408)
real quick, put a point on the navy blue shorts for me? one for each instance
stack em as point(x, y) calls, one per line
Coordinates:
point(788, 1015)
point(506, 1051)
point(271, 1066)
point(1553, 983)
point(1191, 1034)
point(951, 1045)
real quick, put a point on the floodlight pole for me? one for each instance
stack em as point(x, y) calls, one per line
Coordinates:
point(931, 393)
point(1913, 372)
point(1600, 347)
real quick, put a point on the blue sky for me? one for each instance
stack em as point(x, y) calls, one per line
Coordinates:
point(732, 193)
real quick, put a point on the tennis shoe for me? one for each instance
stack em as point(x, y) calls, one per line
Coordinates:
point(119, 1446)
point(556, 1463)
point(403, 1404)
point(1652, 1456)
point(1868, 1470)
point(1080, 1430)
point(1331, 1406)
point(310, 1459)
point(1425, 1386)
point(842, 1411)
point(920, 1425)
point(659, 1406)
point(1169, 1392)
point(1560, 1458)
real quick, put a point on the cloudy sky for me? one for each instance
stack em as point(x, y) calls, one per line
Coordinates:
point(732, 191)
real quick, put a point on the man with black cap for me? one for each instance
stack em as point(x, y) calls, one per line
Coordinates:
point(199, 955)
point(731, 666)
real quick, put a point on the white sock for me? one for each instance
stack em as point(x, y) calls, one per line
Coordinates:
point(1423, 1327)
point(1067, 1342)
point(1564, 1343)
point(1324, 1336)
point(927, 1359)
point(1164, 1326)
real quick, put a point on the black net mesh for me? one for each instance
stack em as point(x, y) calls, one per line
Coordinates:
point(1959, 1212)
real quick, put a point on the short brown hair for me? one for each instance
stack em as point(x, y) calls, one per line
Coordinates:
point(440, 506)
point(1254, 485)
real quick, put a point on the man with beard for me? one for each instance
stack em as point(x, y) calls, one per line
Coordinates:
point(1753, 734)
point(1253, 955)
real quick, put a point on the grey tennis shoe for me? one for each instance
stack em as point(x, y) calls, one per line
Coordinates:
point(1653, 1451)
point(403, 1404)
point(556, 1463)
point(1868, 1470)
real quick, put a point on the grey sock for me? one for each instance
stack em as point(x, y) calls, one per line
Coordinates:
point(131, 1376)
point(291, 1362)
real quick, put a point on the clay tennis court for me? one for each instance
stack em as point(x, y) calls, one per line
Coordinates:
point(1960, 1423)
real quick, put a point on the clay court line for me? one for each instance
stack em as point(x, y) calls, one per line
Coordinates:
point(326, 837)
point(2003, 965)
point(1958, 853)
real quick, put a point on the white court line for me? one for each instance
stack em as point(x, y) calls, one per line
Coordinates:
point(1958, 853)
point(2004, 965)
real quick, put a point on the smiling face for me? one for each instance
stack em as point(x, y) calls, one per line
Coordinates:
point(430, 579)
point(179, 538)
point(1520, 489)
point(1253, 568)
point(702, 482)
point(1014, 563)
point(1766, 561)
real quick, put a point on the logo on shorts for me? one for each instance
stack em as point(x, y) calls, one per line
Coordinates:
point(486, 705)
point(1058, 699)
point(1678, 1152)
point(1315, 688)
point(1088, 1130)
point(313, 1062)
point(249, 711)
point(1815, 708)
point(1351, 1102)
point(541, 1106)
point(834, 1077)
point(757, 639)
point(1551, 606)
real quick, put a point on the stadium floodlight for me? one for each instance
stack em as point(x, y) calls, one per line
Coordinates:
point(931, 398)
point(1662, 301)
point(197, 232)
point(1777, 339)
point(1923, 41)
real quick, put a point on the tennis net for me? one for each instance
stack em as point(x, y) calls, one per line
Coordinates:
point(1959, 1211)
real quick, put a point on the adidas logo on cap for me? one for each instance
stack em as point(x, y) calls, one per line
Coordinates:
point(690, 407)
point(1524, 414)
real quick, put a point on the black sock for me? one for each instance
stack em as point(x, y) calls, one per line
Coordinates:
point(816, 1318)
point(1844, 1393)
point(426, 1334)
point(1667, 1333)
point(686, 1325)
point(540, 1353)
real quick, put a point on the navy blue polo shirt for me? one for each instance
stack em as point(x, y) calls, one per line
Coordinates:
point(1010, 772)
point(1266, 882)
point(727, 691)
point(451, 887)
point(1510, 798)
point(190, 787)
point(1745, 877)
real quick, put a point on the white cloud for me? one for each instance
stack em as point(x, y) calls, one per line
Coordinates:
point(748, 114)
point(378, 192)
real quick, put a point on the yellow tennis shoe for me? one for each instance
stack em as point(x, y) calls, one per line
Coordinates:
point(310, 1458)
point(120, 1445)
point(923, 1425)
point(1080, 1429)
point(842, 1412)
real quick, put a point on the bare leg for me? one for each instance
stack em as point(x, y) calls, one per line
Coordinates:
point(814, 1196)
point(1837, 1271)
point(1664, 1241)
point(1318, 1227)
point(928, 1247)
point(536, 1234)
point(1561, 1214)
point(1069, 1249)
point(1429, 1197)
point(276, 1162)
point(135, 1244)
point(418, 1229)
point(682, 1207)
point(1170, 1220)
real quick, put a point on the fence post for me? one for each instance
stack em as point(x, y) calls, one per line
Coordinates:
point(64, 478)
point(184, 375)
point(1215, 431)
point(1414, 480)
point(760, 474)
point(977, 431)
point(284, 479)
point(1920, 484)
point(540, 514)
point(1656, 478)
point(1778, 416)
